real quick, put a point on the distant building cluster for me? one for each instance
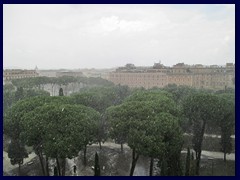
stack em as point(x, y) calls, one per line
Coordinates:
point(10, 74)
point(69, 73)
point(158, 75)
point(198, 76)
point(97, 73)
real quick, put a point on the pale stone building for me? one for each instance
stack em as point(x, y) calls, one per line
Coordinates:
point(10, 74)
point(198, 76)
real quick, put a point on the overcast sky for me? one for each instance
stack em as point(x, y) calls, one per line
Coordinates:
point(105, 36)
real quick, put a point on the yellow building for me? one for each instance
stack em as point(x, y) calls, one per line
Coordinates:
point(9, 74)
point(198, 76)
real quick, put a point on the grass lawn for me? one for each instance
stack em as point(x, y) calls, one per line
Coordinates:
point(217, 168)
point(209, 143)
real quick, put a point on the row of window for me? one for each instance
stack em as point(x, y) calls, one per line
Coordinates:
point(19, 73)
point(131, 79)
point(137, 75)
point(17, 77)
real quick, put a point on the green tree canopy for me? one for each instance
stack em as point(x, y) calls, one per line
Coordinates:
point(142, 121)
point(13, 116)
point(62, 129)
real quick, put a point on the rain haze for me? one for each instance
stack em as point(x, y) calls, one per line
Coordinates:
point(119, 90)
point(107, 36)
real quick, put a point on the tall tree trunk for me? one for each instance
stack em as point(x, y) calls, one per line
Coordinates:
point(163, 167)
point(96, 166)
point(100, 145)
point(225, 159)
point(58, 167)
point(47, 168)
point(198, 158)
point(63, 166)
point(41, 162)
point(151, 167)
point(188, 162)
point(55, 171)
point(19, 169)
point(84, 156)
point(134, 162)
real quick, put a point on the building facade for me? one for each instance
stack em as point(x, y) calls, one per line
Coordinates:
point(10, 74)
point(198, 76)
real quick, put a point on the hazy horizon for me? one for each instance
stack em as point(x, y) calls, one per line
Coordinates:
point(15, 67)
point(110, 36)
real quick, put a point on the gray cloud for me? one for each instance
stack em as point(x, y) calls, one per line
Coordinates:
point(103, 36)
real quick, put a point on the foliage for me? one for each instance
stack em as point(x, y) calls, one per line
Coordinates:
point(35, 92)
point(19, 94)
point(8, 87)
point(37, 121)
point(11, 96)
point(226, 91)
point(17, 152)
point(201, 109)
point(8, 99)
point(147, 122)
point(179, 92)
point(61, 129)
point(100, 98)
point(38, 82)
point(13, 116)
point(226, 121)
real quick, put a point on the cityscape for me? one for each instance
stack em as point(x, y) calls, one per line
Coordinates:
point(85, 94)
point(213, 77)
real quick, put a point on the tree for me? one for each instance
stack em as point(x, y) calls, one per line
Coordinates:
point(163, 139)
point(61, 92)
point(10, 96)
point(129, 122)
point(35, 92)
point(8, 87)
point(55, 171)
point(19, 94)
point(226, 121)
point(8, 100)
point(192, 165)
point(167, 126)
point(62, 129)
point(201, 109)
point(16, 153)
point(13, 118)
point(179, 92)
point(96, 166)
point(100, 98)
